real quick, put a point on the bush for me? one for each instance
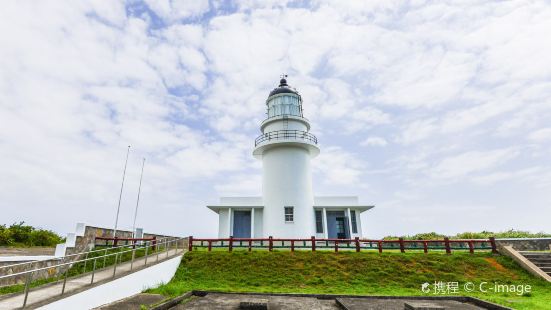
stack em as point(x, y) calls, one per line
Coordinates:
point(5, 236)
point(474, 235)
point(25, 235)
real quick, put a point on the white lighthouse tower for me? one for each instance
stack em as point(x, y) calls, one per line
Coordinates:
point(288, 207)
point(286, 147)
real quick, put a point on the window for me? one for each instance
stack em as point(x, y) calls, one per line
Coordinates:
point(289, 214)
point(319, 222)
point(354, 224)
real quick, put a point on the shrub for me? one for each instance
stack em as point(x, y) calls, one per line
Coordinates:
point(25, 235)
point(474, 235)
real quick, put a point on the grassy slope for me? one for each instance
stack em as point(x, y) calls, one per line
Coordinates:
point(352, 273)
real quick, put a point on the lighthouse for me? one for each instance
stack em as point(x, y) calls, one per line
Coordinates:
point(286, 147)
point(288, 207)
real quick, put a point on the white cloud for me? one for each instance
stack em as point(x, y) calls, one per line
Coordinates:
point(463, 88)
point(374, 141)
point(540, 135)
point(473, 161)
point(173, 10)
point(338, 166)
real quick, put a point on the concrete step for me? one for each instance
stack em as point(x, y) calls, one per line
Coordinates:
point(540, 265)
point(540, 260)
point(537, 256)
point(534, 253)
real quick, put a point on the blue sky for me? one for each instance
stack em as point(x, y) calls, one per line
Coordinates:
point(436, 112)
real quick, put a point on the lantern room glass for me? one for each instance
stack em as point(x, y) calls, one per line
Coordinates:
point(287, 104)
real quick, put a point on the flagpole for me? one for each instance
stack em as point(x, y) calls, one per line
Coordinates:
point(120, 195)
point(137, 202)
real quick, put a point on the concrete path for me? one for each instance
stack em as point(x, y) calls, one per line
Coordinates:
point(51, 292)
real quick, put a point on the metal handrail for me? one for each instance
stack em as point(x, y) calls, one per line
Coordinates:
point(158, 244)
point(74, 254)
point(284, 135)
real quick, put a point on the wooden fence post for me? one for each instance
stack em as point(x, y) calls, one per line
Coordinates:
point(471, 247)
point(336, 246)
point(189, 246)
point(230, 246)
point(250, 244)
point(292, 245)
point(313, 240)
point(380, 246)
point(402, 247)
point(357, 240)
point(270, 243)
point(425, 247)
point(447, 245)
point(210, 245)
point(493, 243)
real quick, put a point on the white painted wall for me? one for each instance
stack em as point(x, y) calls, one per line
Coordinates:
point(241, 201)
point(292, 124)
point(120, 288)
point(287, 181)
point(223, 223)
point(329, 201)
point(258, 223)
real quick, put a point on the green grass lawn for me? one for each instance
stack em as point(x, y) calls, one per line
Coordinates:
point(367, 273)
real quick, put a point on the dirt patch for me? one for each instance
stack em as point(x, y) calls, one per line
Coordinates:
point(495, 264)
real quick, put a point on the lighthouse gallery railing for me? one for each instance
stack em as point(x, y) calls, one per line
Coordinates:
point(285, 135)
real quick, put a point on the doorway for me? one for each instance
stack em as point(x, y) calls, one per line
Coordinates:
point(242, 224)
point(337, 225)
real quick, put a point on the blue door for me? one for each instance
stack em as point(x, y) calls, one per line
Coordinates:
point(337, 225)
point(242, 224)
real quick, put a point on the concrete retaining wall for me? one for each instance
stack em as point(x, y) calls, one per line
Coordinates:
point(526, 244)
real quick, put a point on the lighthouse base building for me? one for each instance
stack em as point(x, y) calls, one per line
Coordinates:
point(336, 217)
point(287, 207)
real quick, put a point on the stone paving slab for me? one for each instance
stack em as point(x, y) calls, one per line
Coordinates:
point(134, 302)
point(392, 304)
point(51, 292)
point(231, 301)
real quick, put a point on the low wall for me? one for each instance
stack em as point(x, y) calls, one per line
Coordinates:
point(91, 232)
point(526, 244)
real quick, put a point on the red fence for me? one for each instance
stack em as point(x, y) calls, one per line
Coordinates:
point(133, 241)
point(348, 244)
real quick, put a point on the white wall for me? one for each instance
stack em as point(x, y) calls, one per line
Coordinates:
point(223, 222)
point(258, 224)
point(292, 124)
point(287, 181)
point(120, 288)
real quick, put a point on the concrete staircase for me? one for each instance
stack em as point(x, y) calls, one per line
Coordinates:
point(541, 259)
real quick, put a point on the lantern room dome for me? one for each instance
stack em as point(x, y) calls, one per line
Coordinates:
point(283, 88)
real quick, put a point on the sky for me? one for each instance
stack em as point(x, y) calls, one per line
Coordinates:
point(436, 112)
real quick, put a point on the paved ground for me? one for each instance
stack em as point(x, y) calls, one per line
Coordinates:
point(40, 294)
point(221, 301)
point(391, 304)
point(134, 302)
point(36, 250)
point(232, 301)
